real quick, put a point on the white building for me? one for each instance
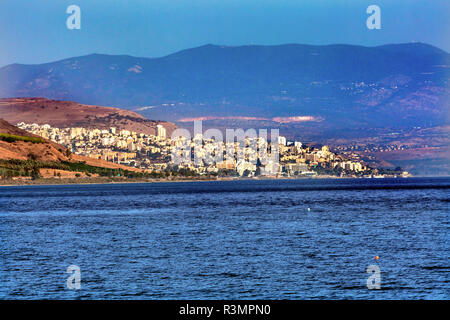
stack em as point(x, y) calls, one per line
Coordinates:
point(282, 140)
point(161, 132)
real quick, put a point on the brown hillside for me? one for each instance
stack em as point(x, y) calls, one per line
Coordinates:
point(6, 127)
point(63, 114)
point(47, 151)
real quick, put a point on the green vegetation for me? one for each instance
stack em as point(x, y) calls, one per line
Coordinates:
point(24, 168)
point(30, 168)
point(13, 138)
point(387, 171)
point(103, 172)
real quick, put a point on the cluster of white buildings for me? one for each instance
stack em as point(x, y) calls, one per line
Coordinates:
point(120, 146)
point(250, 157)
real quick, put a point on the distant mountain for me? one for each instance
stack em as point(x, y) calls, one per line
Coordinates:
point(64, 114)
point(340, 85)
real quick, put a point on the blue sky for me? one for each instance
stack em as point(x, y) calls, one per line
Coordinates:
point(34, 31)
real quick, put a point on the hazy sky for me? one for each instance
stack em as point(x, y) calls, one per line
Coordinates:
point(34, 31)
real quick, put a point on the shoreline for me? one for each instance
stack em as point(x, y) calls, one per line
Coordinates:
point(43, 182)
point(96, 181)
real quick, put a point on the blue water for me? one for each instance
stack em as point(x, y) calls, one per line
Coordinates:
point(227, 240)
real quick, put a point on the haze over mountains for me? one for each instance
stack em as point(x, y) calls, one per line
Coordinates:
point(340, 86)
point(341, 95)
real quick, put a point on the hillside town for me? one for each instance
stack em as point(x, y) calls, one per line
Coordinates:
point(155, 153)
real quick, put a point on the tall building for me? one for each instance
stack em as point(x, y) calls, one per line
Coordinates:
point(160, 132)
point(325, 149)
point(282, 140)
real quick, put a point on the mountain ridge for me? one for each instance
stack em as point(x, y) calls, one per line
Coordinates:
point(211, 45)
point(347, 86)
point(214, 80)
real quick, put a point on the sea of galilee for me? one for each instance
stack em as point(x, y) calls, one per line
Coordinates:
point(246, 239)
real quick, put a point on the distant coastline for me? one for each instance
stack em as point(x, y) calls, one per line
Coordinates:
point(117, 180)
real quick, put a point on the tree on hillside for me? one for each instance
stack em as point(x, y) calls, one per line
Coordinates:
point(35, 173)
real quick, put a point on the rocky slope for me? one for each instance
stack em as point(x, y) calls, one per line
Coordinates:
point(46, 151)
point(71, 114)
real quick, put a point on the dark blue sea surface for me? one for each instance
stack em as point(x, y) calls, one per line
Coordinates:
point(245, 239)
